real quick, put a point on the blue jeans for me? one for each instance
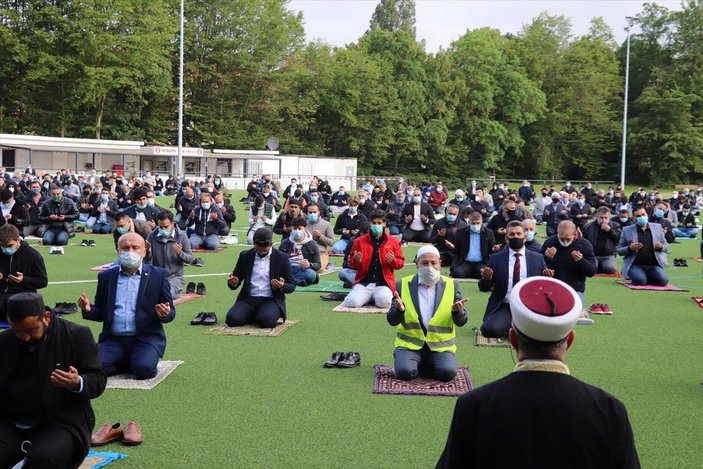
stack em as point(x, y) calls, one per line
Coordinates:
point(394, 230)
point(436, 365)
point(686, 232)
point(55, 237)
point(347, 275)
point(304, 276)
point(83, 216)
point(102, 228)
point(211, 242)
point(648, 275)
point(340, 246)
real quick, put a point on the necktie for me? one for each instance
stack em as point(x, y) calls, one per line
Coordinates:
point(516, 269)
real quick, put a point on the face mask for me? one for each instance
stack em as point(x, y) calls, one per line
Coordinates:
point(8, 251)
point(685, 214)
point(266, 194)
point(428, 275)
point(544, 194)
point(103, 197)
point(516, 243)
point(205, 206)
point(46, 186)
point(340, 192)
point(36, 191)
point(220, 204)
point(312, 217)
point(352, 210)
point(641, 221)
point(400, 200)
point(610, 193)
point(86, 193)
point(130, 260)
point(659, 213)
point(530, 235)
point(451, 218)
point(298, 235)
point(313, 198)
point(141, 206)
point(165, 233)
point(566, 244)
point(150, 202)
point(581, 202)
point(217, 183)
point(417, 200)
point(122, 229)
point(376, 229)
point(555, 201)
point(362, 201)
point(624, 219)
point(475, 228)
point(459, 198)
point(56, 198)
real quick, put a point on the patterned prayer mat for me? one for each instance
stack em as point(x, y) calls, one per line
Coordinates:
point(95, 459)
point(650, 287)
point(186, 297)
point(335, 254)
point(482, 341)
point(103, 268)
point(329, 270)
point(250, 329)
point(466, 280)
point(696, 299)
point(614, 275)
point(387, 383)
point(363, 310)
point(127, 381)
point(212, 251)
point(324, 286)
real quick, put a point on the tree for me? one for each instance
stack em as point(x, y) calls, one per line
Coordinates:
point(394, 15)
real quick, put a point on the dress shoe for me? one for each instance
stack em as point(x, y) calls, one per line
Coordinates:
point(333, 360)
point(200, 289)
point(198, 320)
point(107, 434)
point(132, 434)
point(210, 319)
point(350, 360)
point(190, 288)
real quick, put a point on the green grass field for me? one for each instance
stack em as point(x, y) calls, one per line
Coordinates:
point(268, 402)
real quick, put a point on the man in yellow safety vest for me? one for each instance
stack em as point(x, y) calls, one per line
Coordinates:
point(426, 308)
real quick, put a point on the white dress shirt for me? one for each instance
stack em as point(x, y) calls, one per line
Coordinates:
point(426, 298)
point(416, 224)
point(511, 268)
point(260, 276)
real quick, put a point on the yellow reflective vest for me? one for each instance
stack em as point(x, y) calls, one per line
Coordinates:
point(441, 333)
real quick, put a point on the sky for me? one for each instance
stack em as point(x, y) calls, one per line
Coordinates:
point(439, 22)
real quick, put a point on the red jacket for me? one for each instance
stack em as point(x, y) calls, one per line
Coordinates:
point(436, 199)
point(363, 244)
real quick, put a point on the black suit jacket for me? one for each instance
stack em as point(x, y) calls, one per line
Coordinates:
point(499, 283)
point(462, 244)
point(71, 345)
point(425, 209)
point(538, 419)
point(280, 267)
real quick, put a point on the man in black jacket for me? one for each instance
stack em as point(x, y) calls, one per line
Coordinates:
point(471, 248)
point(207, 221)
point(22, 268)
point(419, 218)
point(141, 210)
point(347, 225)
point(303, 254)
point(49, 372)
point(444, 234)
point(13, 212)
point(34, 201)
point(58, 214)
point(571, 423)
point(604, 236)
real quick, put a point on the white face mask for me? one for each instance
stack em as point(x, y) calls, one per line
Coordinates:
point(428, 275)
point(566, 244)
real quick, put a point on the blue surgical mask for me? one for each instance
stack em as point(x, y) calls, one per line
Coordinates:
point(659, 213)
point(417, 200)
point(459, 199)
point(8, 251)
point(313, 198)
point(352, 210)
point(205, 206)
point(475, 228)
point(141, 206)
point(165, 233)
point(624, 219)
point(103, 197)
point(130, 259)
point(376, 229)
point(530, 235)
point(312, 217)
point(298, 235)
point(451, 218)
point(151, 202)
point(641, 221)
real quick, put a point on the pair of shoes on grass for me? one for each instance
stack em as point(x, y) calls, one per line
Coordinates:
point(343, 360)
point(198, 289)
point(204, 319)
point(88, 243)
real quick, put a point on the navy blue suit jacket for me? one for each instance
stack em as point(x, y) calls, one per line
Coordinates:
point(153, 289)
point(499, 283)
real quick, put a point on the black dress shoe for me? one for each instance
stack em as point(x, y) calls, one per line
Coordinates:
point(199, 319)
point(190, 288)
point(333, 360)
point(210, 319)
point(350, 360)
point(200, 289)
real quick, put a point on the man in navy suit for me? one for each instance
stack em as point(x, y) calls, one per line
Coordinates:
point(132, 301)
point(501, 275)
point(266, 276)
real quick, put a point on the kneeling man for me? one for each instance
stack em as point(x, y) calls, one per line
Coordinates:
point(426, 307)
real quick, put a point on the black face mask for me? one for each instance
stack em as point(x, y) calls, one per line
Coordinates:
point(516, 243)
point(510, 213)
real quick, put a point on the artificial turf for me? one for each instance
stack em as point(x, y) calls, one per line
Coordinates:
point(268, 402)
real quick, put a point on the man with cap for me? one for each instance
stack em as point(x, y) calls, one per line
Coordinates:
point(426, 308)
point(133, 302)
point(505, 269)
point(141, 210)
point(49, 372)
point(284, 222)
point(644, 249)
point(459, 200)
point(539, 415)
point(265, 275)
point(58, 214)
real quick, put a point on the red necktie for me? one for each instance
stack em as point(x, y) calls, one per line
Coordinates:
point(516, 269)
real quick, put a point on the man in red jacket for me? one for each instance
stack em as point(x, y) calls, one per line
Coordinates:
point(374, 256)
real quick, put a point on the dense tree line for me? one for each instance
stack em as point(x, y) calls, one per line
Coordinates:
point(540, 104)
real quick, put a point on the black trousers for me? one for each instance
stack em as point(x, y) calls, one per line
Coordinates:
point(497, 324)
point(416, 236)
point(51, 447)
point(467, 269)
point(254, 310)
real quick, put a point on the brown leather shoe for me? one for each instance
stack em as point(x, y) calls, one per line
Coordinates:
point(132, 434)
point(107, 434)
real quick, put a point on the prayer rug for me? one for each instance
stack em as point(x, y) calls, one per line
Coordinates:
point(220, 249)
point(127, 381)
point(482, 341)
point(336, 254)
point(466, 280)
point(329, 270)
point(696, 299)
point(614, 275)
point(387, 383)
point(697, 259)
point(650, 287)
point(413, 243)
point(186, 297)
point(251, 329)
point(104, 267)
point(96, 460)
point(324, 286)
point(364, 310)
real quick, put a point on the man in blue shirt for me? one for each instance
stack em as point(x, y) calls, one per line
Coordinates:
point(471, 248)
point(132, 301)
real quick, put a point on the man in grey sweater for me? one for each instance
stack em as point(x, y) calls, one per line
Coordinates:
point(169, 248)
point(322, 232)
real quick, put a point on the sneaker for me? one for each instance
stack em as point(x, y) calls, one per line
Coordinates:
point(606, 309)
point(585, 319)
point(404, 243)
point(84, 243)
point(596, 308)
point(91, 243)
point(198, 262)
point(56, 250)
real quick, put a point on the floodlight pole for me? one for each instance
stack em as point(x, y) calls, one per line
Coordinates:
point(179, 158)
point(624, 118)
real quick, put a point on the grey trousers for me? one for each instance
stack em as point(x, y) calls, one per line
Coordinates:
point(436, 365)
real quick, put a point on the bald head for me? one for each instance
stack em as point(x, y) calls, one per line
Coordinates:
point(566, 231)
point(130, 240)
